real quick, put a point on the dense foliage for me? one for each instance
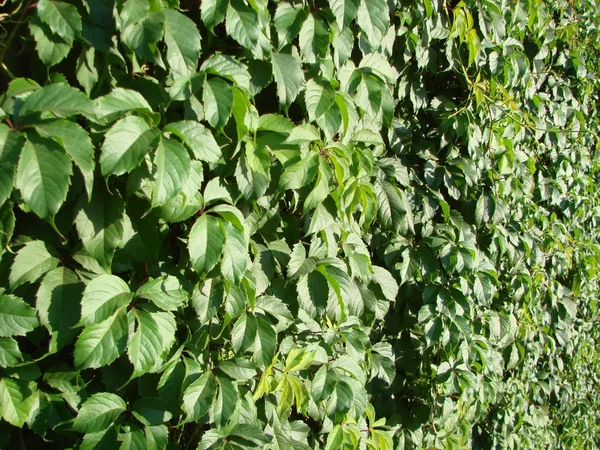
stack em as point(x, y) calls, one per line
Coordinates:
point(339, 224)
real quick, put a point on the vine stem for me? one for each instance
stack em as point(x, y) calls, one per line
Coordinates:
point(13, 33)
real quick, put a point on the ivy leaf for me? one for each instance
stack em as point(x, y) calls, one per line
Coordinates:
point(198, 397)
point(17, 318)
point(218, 101)
point(62, 18)
point(100, 344)
point(183, 43)
point(98, 412)
point(165, 292)
point(76, 143)
point(17, 399)
point(59, 99)
point(288, 76)
point(58, 306)
point(33, 260)
point(248, 436)
point(374, 19)
point(153, 337)
point(213, 12)
point(43, 176)
point(11, 143)
point(205, 243)
point(198, 138)
point(126, 144)
point(173, 166)
point(345, 11)
point(102, 297)
point(225, 403)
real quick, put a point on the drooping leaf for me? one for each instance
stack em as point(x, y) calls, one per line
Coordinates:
point(226, 401)
point(266, 342)
point(314, 38)
point(373, 18)
point(213, 12)
point(345, 11)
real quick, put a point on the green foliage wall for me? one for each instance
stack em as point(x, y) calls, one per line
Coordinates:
point(338, 224)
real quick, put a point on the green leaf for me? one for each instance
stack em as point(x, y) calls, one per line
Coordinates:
point(153, 337)
point(314, 38)
point(151, 411)
point(62, 18)
point(7, 225)
point(173, 166)
point(235, 254)
point(243, 333)
point(288, 75)
point(218, 101)
point(183, 43)
point(345, 11)
point(43, 176)
point(318, 99)
point(99, 224)
point(340, 401)
point(126, 144)
point(248, 436)
point(98, 412)
point(118, 103)
point(374, 19)
point(33, 260)
point(225, 403)
point(189, 201)
point(76, 143)
point(59, 99)
point(51, 49)
point(229, 68)
point(17, 318)
point(100, 344)
point(242, 24)
point(213, 12)
point(141, 28)
point(288, 20)
point(299, 174)
point(102, 297)
point(11, 143)
point(388, 284)
point(101, 440)
point(335, 439)
point(298, 359)
point(198, 397)
point(17, 399)
point(265, 344)
point(165, 292)
point(10, 355)
point(58, 307)
point(323, 384)
point(205, 243)
point(198, 138)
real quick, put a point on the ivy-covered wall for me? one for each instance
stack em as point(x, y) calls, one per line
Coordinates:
point(299, 224)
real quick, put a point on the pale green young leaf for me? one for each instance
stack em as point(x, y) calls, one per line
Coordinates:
point(125, 144)
point(58, 305)
point(17, 399)
point(43, 175)
point(11, 143)
point(33, 260)
point(198, 138)
point(17, 318)
point(288, 75)
point(59, 99)
point(173, 166)
point(198, 397)
point(98, 412)
point(217, 97)
point(102, 297)
point(62, 18)
point(165, 292)
point(183, 43)
point(205, 243)
point(100, 344)
point(335, 439)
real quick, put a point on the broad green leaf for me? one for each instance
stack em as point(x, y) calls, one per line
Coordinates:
point(189, 201)
point(165, 292)
point(58, 306)
point(100, 440)
point(76, 143)
point(335, 439)
point(345, 11)
point(142, 26)
point(275, 122)
point(151, 411)
point(173, 166)
point(51, 49)
point(205, 243)
point(265, 344)
point(299, 174)
point(313, 292)
point(7, 225)
point(183, 43)
point(208, 300)
point(119, 102)
point(11, 143)
point(157, 436)
point(133, 438)
point(318, 99)
point(126, 144)
point(17, 318)
point(243, 333)
point(100, 344)
point(98, 412)
point(288, 20)
point(17, 399)
point(288, 75)
point(239, 369)
point(10, 354)
point(33, 260)
point(100, 225)
point(198, 138)
point(298, 359)
point(248, 436)
point(374, 19)
point(102, 297)
point(323, 384)
point(43, 176)
point(226, 401)
point(153, 337)
point(227, 67)
point(235, 254)
point(198, 397)
point(380, 65)
point(242, 24)
point(62, 18)
point(213, 12)
point(59, 99)
point(340, 401)
point(218, 101)
point(303, 134)
point(314, 38)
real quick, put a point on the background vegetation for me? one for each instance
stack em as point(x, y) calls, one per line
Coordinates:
point(310, 224)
